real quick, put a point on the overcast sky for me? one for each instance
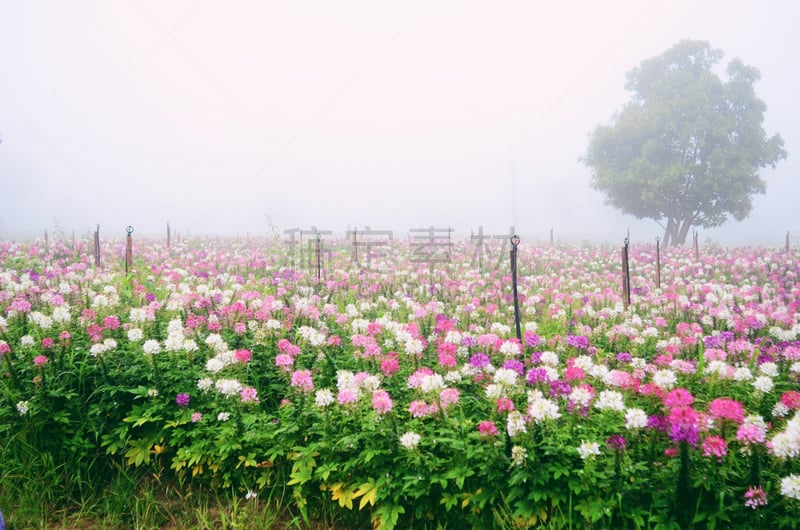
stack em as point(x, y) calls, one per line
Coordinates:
point(228, 117)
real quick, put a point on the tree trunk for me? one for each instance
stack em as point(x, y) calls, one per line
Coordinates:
point(684, 231)
point(671, 233)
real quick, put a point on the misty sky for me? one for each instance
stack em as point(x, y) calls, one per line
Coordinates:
point(223, 117)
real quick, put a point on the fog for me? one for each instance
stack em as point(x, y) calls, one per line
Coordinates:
point(243, 117)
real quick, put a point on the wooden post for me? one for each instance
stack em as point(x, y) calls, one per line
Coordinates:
point(97, 246)
point(129, 250)
point(696, 247)
point(658, 263)
point(626, 279)
point(514, 244)
point(551, 235)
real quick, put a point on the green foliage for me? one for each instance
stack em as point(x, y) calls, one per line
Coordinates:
point(689, 146)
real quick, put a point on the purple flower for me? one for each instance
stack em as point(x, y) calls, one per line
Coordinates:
point(479, 360)
point(516, 365)
point(617, 442)
point(532, 339)
point(578, 341)
point(624, 357)
point(537, 375)
point(182, 400)
point(560, 388)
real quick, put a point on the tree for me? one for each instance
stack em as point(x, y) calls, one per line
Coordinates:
point(688, 148)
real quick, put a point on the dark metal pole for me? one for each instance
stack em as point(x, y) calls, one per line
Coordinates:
point(128, 250)
point(626, 279)
point(97, 246)
point(514, 244)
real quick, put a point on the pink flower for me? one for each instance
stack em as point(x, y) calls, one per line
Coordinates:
point(347, 395)
point(791, 399)
point(750, 433)
point(239, 328)
point(487, 428)
point(381, 401)
point(40, 360)
point(680, 397)
point(715, 446)
point(755, 497)
point(249, 394)
point(302, 379)
point(284, 361)
point(726, 409)
point(48, 342)
point(449, 396)
point(196, 416)
point(505, 404)
point(111, 322)
point(243, 356)
point(420, 409)
point(334, 340)
point(390, 365)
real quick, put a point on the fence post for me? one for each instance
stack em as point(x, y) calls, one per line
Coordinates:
point(128, 250)
point(514, 245)
point(626, 279)
point(97, 246)
point(696, 247)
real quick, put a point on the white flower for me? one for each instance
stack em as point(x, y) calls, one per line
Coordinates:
point(609, 400)
point(228, 387)
point(515, 423)
point(551, 358)
point(635, 419)
point(763, 383)
point(97, 349)
point(588, 449)
point(61, 314)
point(135, 334)
point(665, 379)
point(410, 440)
point(432, 382)
point(205, 384)
point(223, 416)
point(780, 410)
point(151, 347)
point(790, 486)
point(250, 495)
point(153, 392)
point(580, 396)
point(26, 340)
point(518, 455)
point(543, 409)
point(214, 365)
point(23, 407)
point(769, 369)
point(505, 376)
point(323, 397)
point(510, 348)
point(742, 374)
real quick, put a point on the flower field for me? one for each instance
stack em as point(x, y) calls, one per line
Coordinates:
point(400, 396)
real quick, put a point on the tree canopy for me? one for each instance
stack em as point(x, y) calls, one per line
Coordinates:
point(687, 149)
